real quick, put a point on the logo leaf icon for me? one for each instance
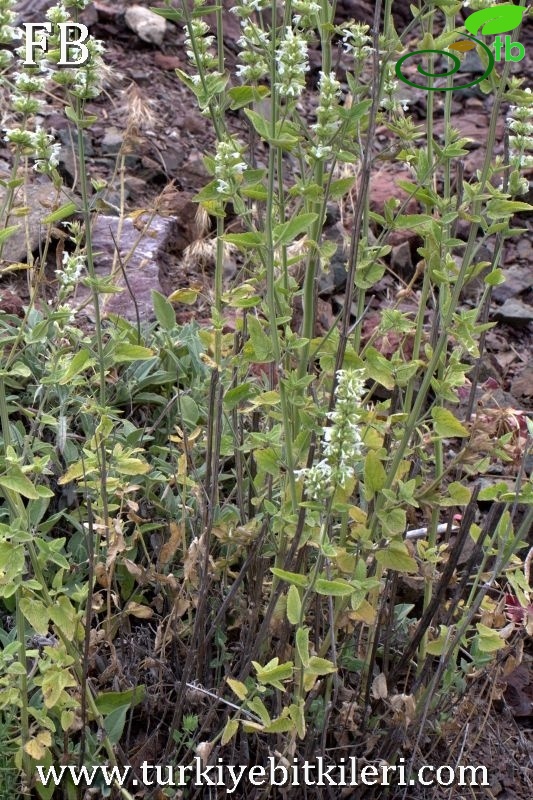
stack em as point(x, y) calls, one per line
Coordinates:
point(499, 19)
point(461, 46)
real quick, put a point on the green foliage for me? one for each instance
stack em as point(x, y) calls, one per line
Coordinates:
point(222, 496)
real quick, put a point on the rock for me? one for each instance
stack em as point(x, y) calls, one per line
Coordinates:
point(148, 26)
point(142, 267)
point(41, 199)
point(401, 260)
point(517, 280)
point(515, 313)
point(383, 187)
point(522, 385)
point(112, 141)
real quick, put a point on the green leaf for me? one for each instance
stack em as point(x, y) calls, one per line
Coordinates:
point(498, 18)
point(258, 707)
point(235, 396)
point(496, 208)
point(17, 482)
point(130, 352)
point(296, 713)
point(436, 647)
point(279, 725)
point(291, 577)
point(412, 221)
point(243, 95)
point(375, 475)
point(261, 351)
point(114, 724)
point(285, 232)
point(55, 680)
point(379, 369)
point(446, 425)
point(488, 640)
point(36, 613)
point(393, 521)
point(64, 211)
point(338, 588)
point(459, 494)
point(320, 666)
point(268, 460)
point(245, 241)
point(294, 605)
point(63, 614)
point(493, 492)
point(80, 361)
point(339, 188)
point(396, 557)
point(165, 314)
point(273, 673)
point(189, 410)
point(302, 645)
point(172, 14)
point(110, 701)
point(260, 124)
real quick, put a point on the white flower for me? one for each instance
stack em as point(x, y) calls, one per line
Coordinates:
point(229, 167)
point(292, 64)
point(341, 441)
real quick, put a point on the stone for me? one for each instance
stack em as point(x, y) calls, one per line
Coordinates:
point(149, 250)
point(148, 26)
point(515, 313)
point(517, 280)
point(41, 199)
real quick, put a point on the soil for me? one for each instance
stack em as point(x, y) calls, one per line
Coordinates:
point(164, 170)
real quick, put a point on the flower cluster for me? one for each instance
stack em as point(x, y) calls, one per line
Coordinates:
point(389, 98)
point(342, 442)
point(229, 167)
point(38, 144)
point(327, 115)
point(520, 124)
point(253, 56)
point(198, 46)
point(83, 81)
point(7, 30)
point(306, 13)
point(292, 64)
point(356, 41)
point(73, 267)
point(245, 8)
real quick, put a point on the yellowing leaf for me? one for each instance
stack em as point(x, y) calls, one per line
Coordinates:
point(186, 296)
point(296, 713)
point(320, 666)
point(302, 645)
point(230, 729)
point(36, 613)
point(488, 640)
point(239, 688)
point(446, 425)
point(375, 475)
point(396, 556)
point(36, 747)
